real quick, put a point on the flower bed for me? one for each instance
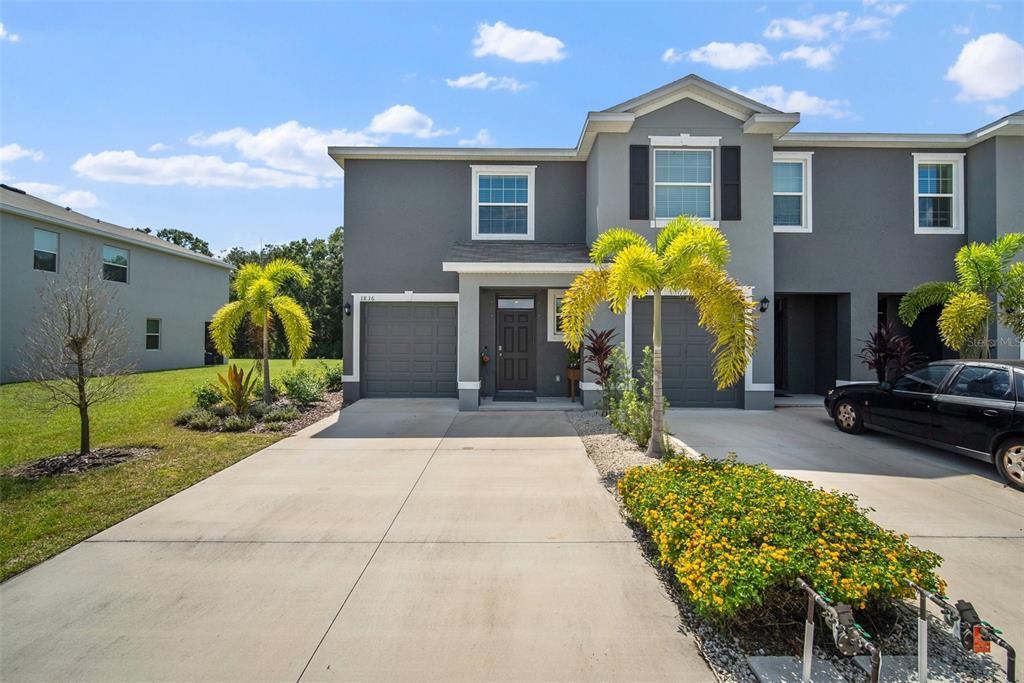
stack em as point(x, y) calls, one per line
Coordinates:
point(736, 534)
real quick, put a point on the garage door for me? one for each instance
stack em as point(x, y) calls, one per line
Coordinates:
point(687, 378)
point(409, 349)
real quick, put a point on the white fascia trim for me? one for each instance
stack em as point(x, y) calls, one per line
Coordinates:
point(531, 197)
point(958, 159)
point(775, 124)
point(359, 298)
point(470, 385)
point(554, 334)
point(514, 267)
point(804, 158)
point(685, 140)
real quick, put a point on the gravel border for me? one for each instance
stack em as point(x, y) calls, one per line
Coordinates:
point(726, 654)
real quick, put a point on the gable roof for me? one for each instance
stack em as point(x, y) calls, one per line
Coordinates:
point(20, 203)
point(694, 87)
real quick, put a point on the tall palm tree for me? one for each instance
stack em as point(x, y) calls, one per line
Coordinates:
point(988, 285)
point(689, 256)
point(258, 295)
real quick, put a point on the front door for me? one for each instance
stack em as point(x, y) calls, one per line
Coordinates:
point(517, 326)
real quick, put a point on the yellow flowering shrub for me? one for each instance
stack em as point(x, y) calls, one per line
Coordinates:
point(734, 534)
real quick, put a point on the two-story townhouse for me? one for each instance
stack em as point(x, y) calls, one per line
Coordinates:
point(456, 254)
point(168, 293)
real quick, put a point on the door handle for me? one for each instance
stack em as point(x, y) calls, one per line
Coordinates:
point(990, 412)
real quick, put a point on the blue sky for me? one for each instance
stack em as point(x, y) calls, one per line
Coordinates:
point(213, 118)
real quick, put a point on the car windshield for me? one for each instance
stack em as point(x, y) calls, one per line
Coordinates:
point(924, 380)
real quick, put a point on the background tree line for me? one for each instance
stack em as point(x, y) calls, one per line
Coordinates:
point(322, 258)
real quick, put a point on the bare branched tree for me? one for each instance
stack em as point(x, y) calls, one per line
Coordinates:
point(76, 351)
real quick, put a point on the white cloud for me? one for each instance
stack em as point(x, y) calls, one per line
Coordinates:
point(289, 146)
point(961, 30)
point(58, 194)
point(892, 9)
point(672, 56)
point(481, 139)
point(797, 100)
point(812, 57)
point(405, 119)
point(519, 45)
point(187, 169)
point(14, 151)
point(996, 111)
point(158, 147)
point(8, 36)
point(990, 67)
point(821, 26)
point(731, 56)
point(482, 81)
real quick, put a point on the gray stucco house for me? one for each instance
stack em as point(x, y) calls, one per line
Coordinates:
point(454, 252)
point(168, 293)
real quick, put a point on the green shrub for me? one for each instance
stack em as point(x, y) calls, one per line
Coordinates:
point(332, 375)
point(258, 409)
point(239, 423)
point(202, 420)
point(628, 396)
point(206, 396)
point(286, 414)
point(274, 426)
point(221, 409)
point(236, 387)
point(302, 386)
point(735, 534)
point(182, 418)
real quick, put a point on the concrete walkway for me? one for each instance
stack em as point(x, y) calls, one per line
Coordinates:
point(951, 504)
point(402, 541)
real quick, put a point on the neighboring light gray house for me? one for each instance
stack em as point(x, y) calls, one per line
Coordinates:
point(168, 293)
point(453, 252)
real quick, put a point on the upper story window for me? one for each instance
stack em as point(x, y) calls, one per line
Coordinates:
point(938, 193)
point(45, 248)
point(683, 180)
point(503, 202)
point(115, 264)
point(791, 191)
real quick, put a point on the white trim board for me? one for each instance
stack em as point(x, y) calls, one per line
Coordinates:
point(359, 298)
point(685, 140)
point(514, 267)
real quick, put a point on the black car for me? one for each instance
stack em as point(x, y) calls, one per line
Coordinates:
point(970, 407)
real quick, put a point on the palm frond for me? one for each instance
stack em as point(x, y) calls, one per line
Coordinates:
point(225, 324)
point(297, 328)
point(962, 319)
point(245, 276)
point(280, 270)
point(611, 242)
point(635, 271)
point(1008, 246)
point(923, 296)
point(1012, 301)
point(725, 311)
point(588, 289)
point(978, 267)
point(675, 227)
point(698, 241)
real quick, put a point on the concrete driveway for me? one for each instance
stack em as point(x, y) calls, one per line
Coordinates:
point(399, 541)
point(953, 505)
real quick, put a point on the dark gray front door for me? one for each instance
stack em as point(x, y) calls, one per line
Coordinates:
point(409, 349)
point(517, 327)
point(687, 377)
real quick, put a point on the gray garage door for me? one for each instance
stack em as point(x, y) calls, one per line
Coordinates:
point(409, 349)
point(687, 378)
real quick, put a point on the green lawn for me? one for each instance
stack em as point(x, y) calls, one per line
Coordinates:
point(41, 518)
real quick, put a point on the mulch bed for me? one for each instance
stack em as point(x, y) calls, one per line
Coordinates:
point(310, 414)
point(73, 463)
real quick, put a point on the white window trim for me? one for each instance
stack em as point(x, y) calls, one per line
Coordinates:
point(159, 334)
point(662, 222)
point(384, 297)
point(531, 197)
point(554, 334)
point(805, 159)
point(957, 160)
point(56, 268)
point(684, 140)
point(127, 268)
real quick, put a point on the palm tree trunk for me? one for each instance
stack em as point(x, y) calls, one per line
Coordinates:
point(266, 361)
point(656, 446)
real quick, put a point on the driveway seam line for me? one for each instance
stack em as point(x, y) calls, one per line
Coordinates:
point(374, 553)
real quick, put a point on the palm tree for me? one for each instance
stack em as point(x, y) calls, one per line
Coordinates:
point(988, 285)
point(689, 256)
point(258, 290)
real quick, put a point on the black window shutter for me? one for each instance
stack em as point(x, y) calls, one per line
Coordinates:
point(731, 183)
point(639, 182)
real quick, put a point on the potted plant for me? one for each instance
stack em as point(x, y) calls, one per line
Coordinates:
point(572, 371)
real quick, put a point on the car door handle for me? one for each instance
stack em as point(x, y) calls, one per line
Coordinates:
point(990, 412)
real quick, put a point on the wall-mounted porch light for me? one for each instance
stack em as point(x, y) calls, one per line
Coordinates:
point(764, 304)
point(348, 309)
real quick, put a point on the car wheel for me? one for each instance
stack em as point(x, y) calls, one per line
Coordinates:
point(848, 418)
point(1010, 463)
